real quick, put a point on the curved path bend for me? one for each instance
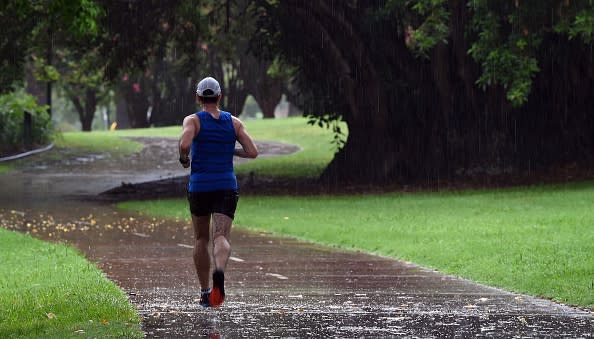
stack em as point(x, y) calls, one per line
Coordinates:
point(276, 287)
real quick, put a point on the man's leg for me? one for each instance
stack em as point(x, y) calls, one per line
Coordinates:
point(201, 253)
point(221, 251)
point(221, 225)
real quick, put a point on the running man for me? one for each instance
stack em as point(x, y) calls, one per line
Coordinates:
point(209, 136)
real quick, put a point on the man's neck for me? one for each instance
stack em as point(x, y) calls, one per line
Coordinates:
point(212, 109)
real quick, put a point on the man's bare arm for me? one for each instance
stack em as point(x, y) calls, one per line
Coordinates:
point(249, 148)
point(190, 128)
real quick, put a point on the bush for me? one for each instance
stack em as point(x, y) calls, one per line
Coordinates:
point(13, 106)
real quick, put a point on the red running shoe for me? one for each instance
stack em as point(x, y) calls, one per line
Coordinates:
point(217, 294)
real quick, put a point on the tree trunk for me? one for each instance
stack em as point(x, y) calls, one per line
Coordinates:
point(122, 114)
point(90, 106)
point(267, 91)
point(236, 93)
point(268, 95)
point(376, 160)
point(48, 56)
point(137, 110)
point(86, 112)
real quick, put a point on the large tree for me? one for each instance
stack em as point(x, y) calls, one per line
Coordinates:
point(433, 90)
point(82, 79)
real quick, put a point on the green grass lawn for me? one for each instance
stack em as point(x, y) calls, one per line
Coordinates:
point(315, 142)
point(538, 241)
point(5, 168)
point(99, 141)
point(51, 291)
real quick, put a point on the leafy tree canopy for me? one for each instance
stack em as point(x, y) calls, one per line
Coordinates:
point(31, 27)
point(440, 87)
point(505, 35)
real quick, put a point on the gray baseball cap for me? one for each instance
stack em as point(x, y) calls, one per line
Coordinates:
point(208, 88)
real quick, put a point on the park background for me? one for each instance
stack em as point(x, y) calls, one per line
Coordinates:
point(438, 122)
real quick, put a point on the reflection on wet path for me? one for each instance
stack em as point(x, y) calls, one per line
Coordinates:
point(275, 287)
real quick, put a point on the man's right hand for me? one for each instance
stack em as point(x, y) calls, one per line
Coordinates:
point(185, 161)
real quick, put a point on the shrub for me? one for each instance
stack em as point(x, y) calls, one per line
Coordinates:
point(13, 106)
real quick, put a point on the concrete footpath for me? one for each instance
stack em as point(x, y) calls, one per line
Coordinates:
point(276, 287)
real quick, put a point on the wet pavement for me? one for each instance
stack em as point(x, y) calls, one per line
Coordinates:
point(276, 287)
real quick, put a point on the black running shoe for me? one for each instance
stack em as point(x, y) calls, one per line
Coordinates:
point(204, 298)
point(217, 295)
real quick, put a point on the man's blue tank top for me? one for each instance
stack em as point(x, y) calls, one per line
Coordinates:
point(212, 154)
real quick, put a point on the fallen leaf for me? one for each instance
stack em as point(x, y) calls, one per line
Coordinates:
point(22, 214)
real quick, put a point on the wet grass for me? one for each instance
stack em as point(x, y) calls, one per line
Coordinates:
point(51, 291)
point(537, 240)
point(315, 142)
point(5, 168)
point(100, 141)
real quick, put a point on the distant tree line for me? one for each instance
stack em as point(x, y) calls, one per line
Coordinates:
point(147, 54)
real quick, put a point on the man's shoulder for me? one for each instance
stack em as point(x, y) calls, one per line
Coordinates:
point(227, 115)
point(197, 115)
point(192, 118)
point(236, 121)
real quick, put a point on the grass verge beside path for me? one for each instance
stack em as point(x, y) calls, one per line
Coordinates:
point(5, 168)
point(315, 142)
point(538, 241)
point(51, 291)
point(99, 141)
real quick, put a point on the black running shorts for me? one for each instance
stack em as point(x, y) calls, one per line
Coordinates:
point(206, 203)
